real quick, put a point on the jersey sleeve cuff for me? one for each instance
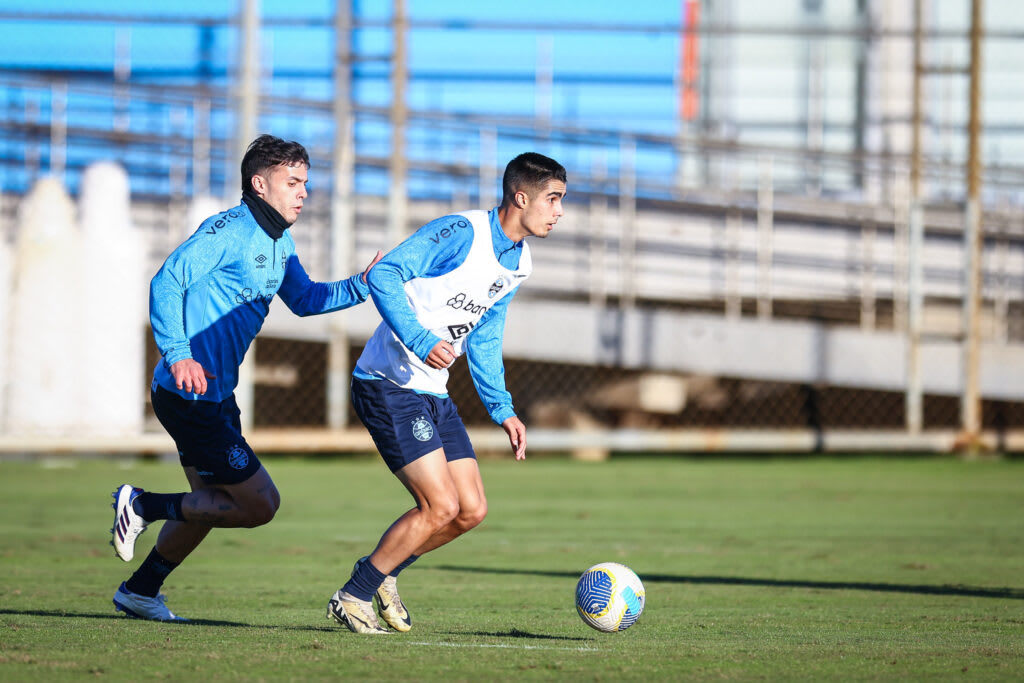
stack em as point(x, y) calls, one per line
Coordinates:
point(502, 413)
point(174, 355)
point(424, 347)
point(361, 288)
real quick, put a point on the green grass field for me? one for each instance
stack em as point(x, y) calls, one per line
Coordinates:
point(755, 569)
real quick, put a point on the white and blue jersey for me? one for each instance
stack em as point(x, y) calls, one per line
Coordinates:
point(210, 298)
point(451, 280)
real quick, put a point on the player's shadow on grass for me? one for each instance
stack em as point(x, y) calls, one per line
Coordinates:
point(514, 633)
point(105, 615)
point(62, 614)
point(923, 589)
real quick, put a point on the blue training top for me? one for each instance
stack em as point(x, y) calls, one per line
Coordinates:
point(430, 252)
point(209, 299)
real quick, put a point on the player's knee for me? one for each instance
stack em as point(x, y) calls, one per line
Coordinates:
point(263, 510)
point(260, 515)
point(443, 512)
point(473, 516)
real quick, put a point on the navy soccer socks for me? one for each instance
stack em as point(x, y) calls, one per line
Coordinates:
point(409, 560)
point(365, 581)
point(154, 506)
point(366, 578)
point(150, 575)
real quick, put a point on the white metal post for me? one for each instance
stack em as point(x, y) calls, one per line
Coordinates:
point(488, 167)
point(765, 236)
point(627, 218)
point(398, 209)
point(970, 412)
point(247, 114)
point(343, 240)
point(58, 129)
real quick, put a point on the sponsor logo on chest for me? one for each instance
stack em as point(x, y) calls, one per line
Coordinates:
point(221, 222)
point(459, 303)
point(453, 228)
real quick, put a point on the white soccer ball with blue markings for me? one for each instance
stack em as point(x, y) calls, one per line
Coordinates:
point(610, 597)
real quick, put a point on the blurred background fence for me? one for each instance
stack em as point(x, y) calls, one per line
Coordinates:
point(796, 227)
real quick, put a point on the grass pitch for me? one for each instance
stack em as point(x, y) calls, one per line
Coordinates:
point(771, 569)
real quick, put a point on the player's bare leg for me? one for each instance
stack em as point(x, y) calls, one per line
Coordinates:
point(178, 539)
point(175, 542)
point(250, 503)
point(437, 503)
point(469, 486)
point(430, 481)
point(465, 473)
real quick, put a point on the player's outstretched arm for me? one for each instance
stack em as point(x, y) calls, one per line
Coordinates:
point(305, 297)
point(516, 431)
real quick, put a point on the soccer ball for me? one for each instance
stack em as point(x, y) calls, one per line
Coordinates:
point(609, 597)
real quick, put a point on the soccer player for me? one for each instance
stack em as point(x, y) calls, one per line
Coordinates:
point(442, 293)
point(207, 303)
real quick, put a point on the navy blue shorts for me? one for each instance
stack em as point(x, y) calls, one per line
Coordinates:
point(406, 425)
point(208, 436)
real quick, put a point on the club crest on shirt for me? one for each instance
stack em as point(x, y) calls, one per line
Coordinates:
point(498, 285)
point(422, 429)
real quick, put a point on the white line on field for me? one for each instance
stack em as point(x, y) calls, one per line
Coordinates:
point(507, 647)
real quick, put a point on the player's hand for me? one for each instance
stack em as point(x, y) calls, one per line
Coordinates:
point(191, 376)
point(441, 356)
point(378, 257)
point(516, 431)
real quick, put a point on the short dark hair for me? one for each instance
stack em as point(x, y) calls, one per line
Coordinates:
point(529, 171)
point(268, 151)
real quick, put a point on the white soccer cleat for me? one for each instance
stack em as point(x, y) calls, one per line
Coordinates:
point(128, 524)
point(140, 607)
point(391, 607)
point(389, 604)
point(357, 615)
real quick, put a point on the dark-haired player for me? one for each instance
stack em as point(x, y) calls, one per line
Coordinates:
point(207, 303)
point(442, 293)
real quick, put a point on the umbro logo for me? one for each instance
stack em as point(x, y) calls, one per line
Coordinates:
point(460, 330)
point(261, 259)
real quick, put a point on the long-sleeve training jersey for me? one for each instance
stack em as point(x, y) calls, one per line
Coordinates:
point(210, 298)
point(453, 279)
